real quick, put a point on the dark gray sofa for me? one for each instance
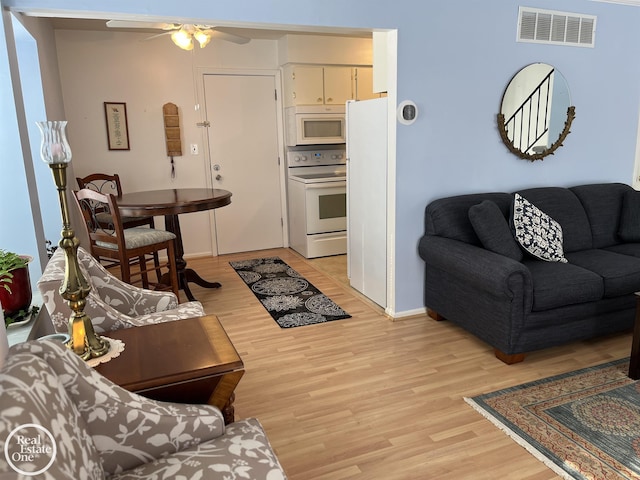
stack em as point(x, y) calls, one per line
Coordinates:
point(521, 305)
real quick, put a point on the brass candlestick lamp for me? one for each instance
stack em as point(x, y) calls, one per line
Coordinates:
point(55, 152)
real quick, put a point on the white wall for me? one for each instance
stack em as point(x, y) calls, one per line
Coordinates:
point(145, 74)
point(126, 67)
point(325, 50)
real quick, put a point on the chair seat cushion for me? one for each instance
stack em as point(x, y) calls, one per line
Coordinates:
point(620, 273)
point(140, 237)
point(557, 284)
point(243, 452)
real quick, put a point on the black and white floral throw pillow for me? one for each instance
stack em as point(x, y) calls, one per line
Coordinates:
point(537, 232)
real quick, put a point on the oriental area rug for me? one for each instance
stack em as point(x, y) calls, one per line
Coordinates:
point(583, 424)
point(291, 300)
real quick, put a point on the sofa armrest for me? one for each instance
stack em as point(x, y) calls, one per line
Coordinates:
point(497, 290)
point(480, 268)
point(127, 429)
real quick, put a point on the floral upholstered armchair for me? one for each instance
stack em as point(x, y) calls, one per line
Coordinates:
point(112, 304)
point(61, 418)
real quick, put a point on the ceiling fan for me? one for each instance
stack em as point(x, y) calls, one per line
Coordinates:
point(182, 34)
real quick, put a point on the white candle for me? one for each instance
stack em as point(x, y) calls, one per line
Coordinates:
point(57, 152)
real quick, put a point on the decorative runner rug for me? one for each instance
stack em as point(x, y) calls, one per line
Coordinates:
point(583, 424)
point(291, 300)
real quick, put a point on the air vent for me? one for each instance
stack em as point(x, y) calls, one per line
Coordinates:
point(558, 28)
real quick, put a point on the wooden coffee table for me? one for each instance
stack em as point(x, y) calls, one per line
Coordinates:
point(184, 361)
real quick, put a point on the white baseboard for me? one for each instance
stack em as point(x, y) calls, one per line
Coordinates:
point(406, 313)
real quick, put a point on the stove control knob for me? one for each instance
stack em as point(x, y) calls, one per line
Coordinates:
point(334, 156)
point(304, 158)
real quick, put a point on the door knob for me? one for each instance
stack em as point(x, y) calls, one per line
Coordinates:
point(216, 167)
point(218, 177)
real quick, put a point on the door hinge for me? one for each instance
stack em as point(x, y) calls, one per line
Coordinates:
point(278, 161)
point(275, 95)
point(203, 124)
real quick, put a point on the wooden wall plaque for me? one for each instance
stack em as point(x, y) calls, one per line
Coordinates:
point(172, 129)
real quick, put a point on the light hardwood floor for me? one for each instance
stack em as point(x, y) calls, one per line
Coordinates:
point(372, 398)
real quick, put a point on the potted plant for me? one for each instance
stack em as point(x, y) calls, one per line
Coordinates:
point(15, 286)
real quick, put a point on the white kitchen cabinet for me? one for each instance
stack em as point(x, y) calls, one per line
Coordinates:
point(317, 85)
point(363, 83)
point(337, 85)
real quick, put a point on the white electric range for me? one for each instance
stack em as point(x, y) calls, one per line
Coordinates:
point(317, 200)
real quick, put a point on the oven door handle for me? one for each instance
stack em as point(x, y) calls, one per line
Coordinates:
point(341, 183)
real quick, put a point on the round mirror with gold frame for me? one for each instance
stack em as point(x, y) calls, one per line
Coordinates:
point(536, 112)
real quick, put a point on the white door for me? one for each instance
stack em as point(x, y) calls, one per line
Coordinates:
point(367, 198)
point(243, 147)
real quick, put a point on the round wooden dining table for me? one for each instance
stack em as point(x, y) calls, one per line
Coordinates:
point(170, 203)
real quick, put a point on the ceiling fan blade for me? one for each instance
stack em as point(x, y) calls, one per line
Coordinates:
point(134, 24)
point(157, 35)
point(229, 37)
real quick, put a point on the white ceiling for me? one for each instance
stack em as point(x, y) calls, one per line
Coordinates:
point(251, 32)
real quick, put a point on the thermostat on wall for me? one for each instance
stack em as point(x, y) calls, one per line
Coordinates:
point(407, 112)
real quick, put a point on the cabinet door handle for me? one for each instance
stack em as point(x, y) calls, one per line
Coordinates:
point(319, 100)
point(329, 100)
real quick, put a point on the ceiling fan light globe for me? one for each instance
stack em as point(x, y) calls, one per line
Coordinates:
point(182, 39)
point(203, 37)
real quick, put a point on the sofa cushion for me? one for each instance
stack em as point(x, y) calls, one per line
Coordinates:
point(602, 204)
point(493, 230)
point(564, 207)
point(449, 217)
point(620, 273)
point(632, 249)
point(629, 230)
point(537, 232)
point(558, 284)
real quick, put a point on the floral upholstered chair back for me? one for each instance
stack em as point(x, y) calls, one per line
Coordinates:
point(111, 303)
point(96, 427)
point(84, 427)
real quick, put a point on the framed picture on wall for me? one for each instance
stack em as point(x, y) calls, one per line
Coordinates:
point(117, 128)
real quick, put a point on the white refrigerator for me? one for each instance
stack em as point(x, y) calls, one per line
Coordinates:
point(366, 132)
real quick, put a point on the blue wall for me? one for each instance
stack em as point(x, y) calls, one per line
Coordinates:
point(454, 60)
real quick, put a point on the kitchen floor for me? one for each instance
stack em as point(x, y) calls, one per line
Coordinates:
point(335, 266)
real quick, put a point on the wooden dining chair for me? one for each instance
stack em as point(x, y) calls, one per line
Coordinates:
point(126, 247)
point(106, 184)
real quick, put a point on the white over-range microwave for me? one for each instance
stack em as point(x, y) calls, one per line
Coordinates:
point(315, 125)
